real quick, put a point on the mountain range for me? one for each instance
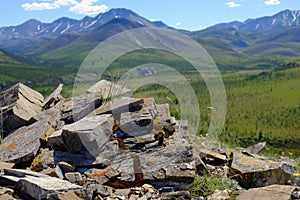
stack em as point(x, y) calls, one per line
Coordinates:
point(255, 43)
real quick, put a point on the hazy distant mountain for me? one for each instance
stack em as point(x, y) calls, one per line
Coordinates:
point(281, 20)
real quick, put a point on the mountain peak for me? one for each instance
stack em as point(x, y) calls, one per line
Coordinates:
point(283, 19)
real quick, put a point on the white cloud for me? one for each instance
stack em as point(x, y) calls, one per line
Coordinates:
point(178, 24)
point(272, 2)
point(232, 4)
point(87, 7)
point(38, 6)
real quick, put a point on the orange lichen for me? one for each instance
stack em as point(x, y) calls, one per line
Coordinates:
point(10, 146)
point(101, 173)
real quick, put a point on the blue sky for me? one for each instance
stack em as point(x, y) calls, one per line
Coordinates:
point(189, 14)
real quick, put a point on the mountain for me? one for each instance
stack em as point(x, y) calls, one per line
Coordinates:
point(64, 25)
point(255, 43)
point(279, 21)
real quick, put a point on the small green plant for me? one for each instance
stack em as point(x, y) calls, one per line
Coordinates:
point(206, 185)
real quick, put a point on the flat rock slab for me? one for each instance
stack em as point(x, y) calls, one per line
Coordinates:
point(89, 133)
point(23, 144)
point(18, 105)
point(107, 89)
point(278, 192)
point(258, 173)
point(37, 185)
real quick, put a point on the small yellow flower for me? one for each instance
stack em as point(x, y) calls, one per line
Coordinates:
point(206, 135)
point(282, 153)
point(271, 161)
point(290, 153)
point(296, 175)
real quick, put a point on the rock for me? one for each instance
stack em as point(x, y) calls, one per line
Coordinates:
point(212, 156)
point(107, 90)
point(4, 190)
point(73, 177)
point(5, 165)
point(55, 140)
point(220, 195)
point(100, 189)
point(278, 192)
point(76, 108)
point(53, 98)
point(63, 195)
point(18, 105)
point(255, 149)
point(180, 195)
point(7, 197)
point(23, 144)
point(163, 111)
point(102, 176)
point(38, 186)
point(137, 123)
point(118, 106)
point(89, 133)
point(66, 167)
point(256, 172)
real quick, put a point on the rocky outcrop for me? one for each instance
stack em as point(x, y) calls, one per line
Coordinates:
point(18, 105)
point(126, 148)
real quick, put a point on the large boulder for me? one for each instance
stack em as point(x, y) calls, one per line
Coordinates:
point(89, 133)
point(18, 105)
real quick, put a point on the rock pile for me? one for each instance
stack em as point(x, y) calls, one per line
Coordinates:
point(89, 147)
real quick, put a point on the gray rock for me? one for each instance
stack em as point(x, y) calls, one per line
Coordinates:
point(180, 195)
point(220, 195)
point(38, 186)
point(278, 192)
point(73, 177)
point(23, 144)
point(63, 196)
point(118, 106)
point(255, 149)
point(76, 108)
point(256, 172)
point(18, 105)
point(53, 98)
point(89, 133)
point(137, 123)
point(107, 89)
point(66, 167)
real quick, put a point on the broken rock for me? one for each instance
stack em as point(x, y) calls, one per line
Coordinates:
point(89, 133)
point(107, 89)
point(278, 192)
point(18, 105)
point(23, 144)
